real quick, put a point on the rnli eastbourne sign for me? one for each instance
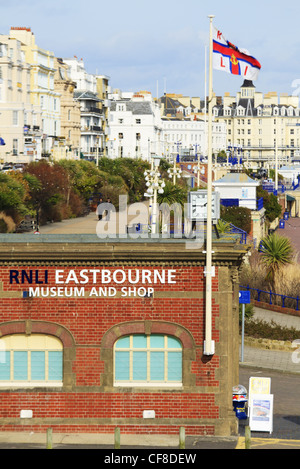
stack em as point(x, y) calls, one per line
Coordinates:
point(92, 282)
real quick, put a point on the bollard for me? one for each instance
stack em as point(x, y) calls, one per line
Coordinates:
point(49, 438)
point(182, 438)
point(247, 437)
point(117, 438)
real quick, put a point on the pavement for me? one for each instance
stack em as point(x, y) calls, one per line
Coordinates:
point(284, 366)
point(281, 360)
point(291, 231)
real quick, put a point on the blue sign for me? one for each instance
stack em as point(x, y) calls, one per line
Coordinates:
point(244, 297)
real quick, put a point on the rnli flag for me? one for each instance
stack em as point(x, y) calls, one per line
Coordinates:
point(231, 59)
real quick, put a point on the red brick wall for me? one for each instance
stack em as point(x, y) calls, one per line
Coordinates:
point(84, 322)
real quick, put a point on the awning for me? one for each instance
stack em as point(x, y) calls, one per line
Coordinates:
point(290, 198)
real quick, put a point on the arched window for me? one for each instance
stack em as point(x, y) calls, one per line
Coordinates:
point(34, 360)
point(153, 360)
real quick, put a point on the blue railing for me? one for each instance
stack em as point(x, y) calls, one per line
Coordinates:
point(270, 297)
point(282, 188)
point(139, 228)
point(236, 230)
point(260, 203)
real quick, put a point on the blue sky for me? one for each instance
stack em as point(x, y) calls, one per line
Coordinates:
point(161, 44)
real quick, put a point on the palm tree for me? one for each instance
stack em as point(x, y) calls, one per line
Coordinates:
point(225, 229)
point(172, 194)
point(277, 251)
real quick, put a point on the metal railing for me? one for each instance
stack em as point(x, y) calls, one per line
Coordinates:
point(285, 301)
point(282, 188)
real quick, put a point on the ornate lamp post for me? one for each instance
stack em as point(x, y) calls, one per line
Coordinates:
point(155, 185)
point(174, 172)
point(198, 170)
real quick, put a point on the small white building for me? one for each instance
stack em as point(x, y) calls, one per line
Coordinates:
point(290, 172)
point(237, 189)
point(135, 126)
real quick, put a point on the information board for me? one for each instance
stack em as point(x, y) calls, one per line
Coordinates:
point(244, 297)
point(259, 385)
point(261, 413)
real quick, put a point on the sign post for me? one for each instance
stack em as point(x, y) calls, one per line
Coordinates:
point(244, 298)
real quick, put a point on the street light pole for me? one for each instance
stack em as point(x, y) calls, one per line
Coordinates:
point(208, 343)
point(175, 172)
point(198, 170)
point(276, 157)
point(97, 151)
point(154, 185)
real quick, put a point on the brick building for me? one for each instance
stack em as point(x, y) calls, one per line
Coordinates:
point(84, 352)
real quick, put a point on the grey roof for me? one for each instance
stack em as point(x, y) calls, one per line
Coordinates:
point(136, 107)
point(248, 84)
point(88, 95)
point(171, 105)
point(236, 178)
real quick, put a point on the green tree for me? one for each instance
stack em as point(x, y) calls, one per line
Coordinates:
point(172, 194)
point(12, 197)
point(131, 171)
point(47, 198)
point(271, 205)
point(82, 178)
point(276, 252)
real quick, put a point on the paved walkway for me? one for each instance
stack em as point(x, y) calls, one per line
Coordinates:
point(291, 230)
point(274, 359)
point(90, 224)
point(82, 225)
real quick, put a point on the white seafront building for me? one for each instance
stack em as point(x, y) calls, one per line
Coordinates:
point(138, 129)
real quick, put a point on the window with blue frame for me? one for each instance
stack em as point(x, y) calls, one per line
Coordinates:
point(35, 360)
point(151, 360)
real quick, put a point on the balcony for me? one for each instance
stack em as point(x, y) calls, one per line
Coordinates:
point(94, 150)
point(91, 129)
point(91, 110)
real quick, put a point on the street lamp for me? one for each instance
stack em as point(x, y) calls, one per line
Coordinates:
point(198, 170)
point(174, 172)
point(154, 186)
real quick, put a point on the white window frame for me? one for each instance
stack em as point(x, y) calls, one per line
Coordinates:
point(148, 349)
point(33, 343)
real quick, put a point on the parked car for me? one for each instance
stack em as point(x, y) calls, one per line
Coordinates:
point(29, 224)
point(7, 168)
point(18, 167)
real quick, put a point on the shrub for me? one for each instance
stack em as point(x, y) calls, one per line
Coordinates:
point(249, 311)
point(259, 329)
point(238, 216)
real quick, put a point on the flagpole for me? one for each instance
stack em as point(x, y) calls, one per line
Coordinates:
point(205, 99)
point(208, 342)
